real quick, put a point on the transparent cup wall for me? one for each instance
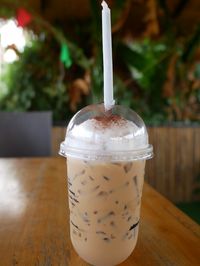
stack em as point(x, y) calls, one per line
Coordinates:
point(106, 154)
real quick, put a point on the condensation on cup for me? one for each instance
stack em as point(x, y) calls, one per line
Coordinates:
point(106, 153)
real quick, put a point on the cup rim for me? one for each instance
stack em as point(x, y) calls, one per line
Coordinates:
point(92, 155)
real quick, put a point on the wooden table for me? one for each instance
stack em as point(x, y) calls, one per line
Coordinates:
point(34, 223)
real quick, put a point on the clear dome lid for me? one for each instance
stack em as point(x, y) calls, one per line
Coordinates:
point(116, 135)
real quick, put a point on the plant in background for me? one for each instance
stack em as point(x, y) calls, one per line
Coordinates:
point(159, 78)
point(157, 75)
point(43, 78)
point(182, 86)
point(33, 81)
point(36, 82)
point(166, 78)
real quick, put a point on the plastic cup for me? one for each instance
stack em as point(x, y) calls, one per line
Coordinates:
point(106, 153)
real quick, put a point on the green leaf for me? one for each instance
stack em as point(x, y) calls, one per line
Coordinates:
point(129, 56)
point(65, 57)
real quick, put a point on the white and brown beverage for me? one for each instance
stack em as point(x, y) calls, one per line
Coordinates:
point(104, 202)
point(106, 153)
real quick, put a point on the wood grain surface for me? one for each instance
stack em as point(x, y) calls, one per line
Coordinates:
point(34, 221)
point(175, 169)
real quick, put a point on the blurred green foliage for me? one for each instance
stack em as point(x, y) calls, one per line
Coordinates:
point(33, 82)
point(159, 79)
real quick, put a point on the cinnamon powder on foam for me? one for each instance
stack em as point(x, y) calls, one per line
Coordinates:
point(108, 120)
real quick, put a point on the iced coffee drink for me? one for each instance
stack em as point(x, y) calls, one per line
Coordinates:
point(106, 154)
point(104, 200)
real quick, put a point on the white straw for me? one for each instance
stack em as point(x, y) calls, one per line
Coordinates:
point(107, 57)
